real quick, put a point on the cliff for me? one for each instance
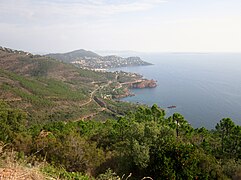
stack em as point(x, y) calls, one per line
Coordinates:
point(145, 83)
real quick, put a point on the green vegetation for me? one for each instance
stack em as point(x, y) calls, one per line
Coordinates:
point(144, 143)
point(74, 55)
point(47, 113)
point(48, 90)
point(41, 97)
point(61, 173)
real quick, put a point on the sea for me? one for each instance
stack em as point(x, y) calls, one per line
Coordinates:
point(204, 87)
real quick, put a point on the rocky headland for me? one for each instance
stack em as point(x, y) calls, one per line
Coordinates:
point(138, 84)
point(144, 83)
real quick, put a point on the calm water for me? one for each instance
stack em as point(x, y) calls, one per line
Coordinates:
point(204, 87)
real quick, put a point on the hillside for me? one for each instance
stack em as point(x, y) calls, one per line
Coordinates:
point(90, 60)
point(140, 144)
point(45, 131)
point(73, 55)
point(51, 90)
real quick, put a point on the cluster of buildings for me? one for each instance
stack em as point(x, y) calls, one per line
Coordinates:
point(107, 62)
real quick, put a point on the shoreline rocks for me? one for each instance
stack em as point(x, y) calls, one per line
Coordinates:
point(145, 83)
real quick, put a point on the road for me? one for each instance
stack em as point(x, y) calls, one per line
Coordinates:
point(91, 97)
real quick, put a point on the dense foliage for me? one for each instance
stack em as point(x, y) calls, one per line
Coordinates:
point(144, 143)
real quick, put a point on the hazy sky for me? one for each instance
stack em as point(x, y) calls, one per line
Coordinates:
point(139, 25)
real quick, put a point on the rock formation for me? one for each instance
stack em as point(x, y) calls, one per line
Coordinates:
point(144, 84)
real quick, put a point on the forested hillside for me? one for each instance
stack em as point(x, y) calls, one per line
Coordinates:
point(52, 114)
point(140, 144)
point(73, 55)
point(52, 91)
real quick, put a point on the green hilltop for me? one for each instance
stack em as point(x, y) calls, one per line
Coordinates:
point(73, 55)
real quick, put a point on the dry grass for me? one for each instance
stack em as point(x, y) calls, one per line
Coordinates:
point(12, 170)
point(20, 173)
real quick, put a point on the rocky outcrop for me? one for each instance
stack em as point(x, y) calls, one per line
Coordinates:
point(145, 83)
point(138, 84)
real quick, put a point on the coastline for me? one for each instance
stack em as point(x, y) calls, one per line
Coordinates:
point(138, 84)
point(125, 81)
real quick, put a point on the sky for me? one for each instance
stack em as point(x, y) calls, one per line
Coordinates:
point(137, 25)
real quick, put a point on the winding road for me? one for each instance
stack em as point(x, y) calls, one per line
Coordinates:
point(91, 98)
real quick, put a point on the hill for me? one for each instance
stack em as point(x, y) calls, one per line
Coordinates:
point(73, 55)
point(51, 90)
point(90, 60)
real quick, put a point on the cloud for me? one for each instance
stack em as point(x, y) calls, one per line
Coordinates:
point(34, 11)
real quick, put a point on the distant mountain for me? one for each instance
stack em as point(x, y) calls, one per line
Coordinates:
point(90, 60)
point(73, 55)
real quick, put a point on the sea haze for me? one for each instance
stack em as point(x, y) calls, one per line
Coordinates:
point(204, 87)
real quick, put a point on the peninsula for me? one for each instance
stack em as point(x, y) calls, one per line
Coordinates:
point(90, 60)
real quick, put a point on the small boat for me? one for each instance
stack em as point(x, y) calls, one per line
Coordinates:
point(171, 107)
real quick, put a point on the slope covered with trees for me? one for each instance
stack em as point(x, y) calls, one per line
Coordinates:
point(144, 143)
point(73, 55)
point(50, 90)
point(44, 105)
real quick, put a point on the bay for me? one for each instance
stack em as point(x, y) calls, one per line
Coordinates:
point(204, 87)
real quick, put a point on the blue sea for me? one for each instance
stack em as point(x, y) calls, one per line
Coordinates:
point(204, 87)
